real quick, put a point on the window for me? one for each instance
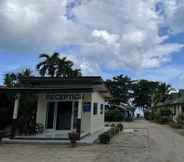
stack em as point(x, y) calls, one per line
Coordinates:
point(95, 108)
point(101, 108)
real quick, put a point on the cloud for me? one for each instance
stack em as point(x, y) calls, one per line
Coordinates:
point(109, 34)
point(171, 74)
point(173, 12)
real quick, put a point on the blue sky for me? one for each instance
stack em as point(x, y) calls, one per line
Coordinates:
point(102, 37)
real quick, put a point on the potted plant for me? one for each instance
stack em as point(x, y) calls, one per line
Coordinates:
point(73, 137)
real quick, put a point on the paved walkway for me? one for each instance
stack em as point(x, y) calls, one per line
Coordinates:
point(141, 142)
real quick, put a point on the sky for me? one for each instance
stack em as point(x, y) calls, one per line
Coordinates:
point(143, 39)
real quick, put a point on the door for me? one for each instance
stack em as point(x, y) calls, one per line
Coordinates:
point(64, 116)
point(50, 115)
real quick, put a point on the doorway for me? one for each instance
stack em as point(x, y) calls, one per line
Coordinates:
point(64, 116)
point(61, 116)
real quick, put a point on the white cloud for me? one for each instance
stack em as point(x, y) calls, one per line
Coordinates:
point(110, 34)
point(108, 37)
point(174, 15)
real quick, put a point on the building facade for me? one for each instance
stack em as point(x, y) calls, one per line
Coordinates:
point(65, 105)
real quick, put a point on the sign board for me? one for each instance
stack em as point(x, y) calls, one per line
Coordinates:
point(65, 97)
point(87, 107)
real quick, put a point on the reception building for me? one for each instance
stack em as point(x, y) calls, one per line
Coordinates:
point(64, 105)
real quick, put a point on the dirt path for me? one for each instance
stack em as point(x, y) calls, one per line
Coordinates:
point(164, 144)
point(148, 142)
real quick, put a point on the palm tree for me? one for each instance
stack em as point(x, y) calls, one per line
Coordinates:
point(65, 69)
point(49, 65)
point(57, 67)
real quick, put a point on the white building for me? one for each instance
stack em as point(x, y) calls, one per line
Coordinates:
point(64, 105)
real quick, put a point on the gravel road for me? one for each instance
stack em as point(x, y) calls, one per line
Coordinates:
point(142, 141)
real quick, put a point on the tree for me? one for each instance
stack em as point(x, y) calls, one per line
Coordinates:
point(49, 65)
point(65, 69)
point(121, 89)
point(14, 79)
point(143, 91)
point(9, 80)
point(161, 93)
point(54, 66)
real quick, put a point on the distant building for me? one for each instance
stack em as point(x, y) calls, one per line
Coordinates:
point(174, 102)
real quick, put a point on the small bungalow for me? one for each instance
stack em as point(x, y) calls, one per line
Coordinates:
point(64, 105)
point(174, 102)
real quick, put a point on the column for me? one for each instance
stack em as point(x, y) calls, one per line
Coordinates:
point(79, 117)
point(15, 114)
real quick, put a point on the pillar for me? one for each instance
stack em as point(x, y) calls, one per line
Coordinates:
point(79, 117)
point(15, 114)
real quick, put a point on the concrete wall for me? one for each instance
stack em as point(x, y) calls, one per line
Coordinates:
point(86, 117)
point(97, 121)
point(41, 110)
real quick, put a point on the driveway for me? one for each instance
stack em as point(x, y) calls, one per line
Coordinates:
point(142, 141)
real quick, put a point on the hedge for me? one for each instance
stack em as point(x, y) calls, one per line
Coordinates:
point(105, 137)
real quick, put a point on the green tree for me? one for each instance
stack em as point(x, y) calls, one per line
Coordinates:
point(49, 64)
point(14, 79)
point(161, 93)
point(121, 89)
point(143, 91)
point(54, 66)
point(65, 69)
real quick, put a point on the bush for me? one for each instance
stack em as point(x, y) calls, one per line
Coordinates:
point(176, 125)
point(148, 115)
point(113, 125)
point(113, 115)
point(120, 126)
point(39, 128)
point(162, 115)
point(73, 136)
point(112, 132)
point(104, 138)
point(156, 115)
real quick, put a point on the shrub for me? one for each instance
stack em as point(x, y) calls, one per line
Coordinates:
point(39, 128)
point(73, 137)
point(156, 115)
point(148, 115)
point(120, 126)
point(176, 125)
point(112, 125)
point(162, 115)
point(112, 132)
point(113, 115)
point(104, 138)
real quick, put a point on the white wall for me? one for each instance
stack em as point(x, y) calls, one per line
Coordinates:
point(97, 121)
point(86, 117)
point(41, 110)
point(89, 123)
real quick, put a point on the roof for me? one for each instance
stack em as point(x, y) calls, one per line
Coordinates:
point(172, 100)
point(61, 85)
point(125, 107)
point(61, 81)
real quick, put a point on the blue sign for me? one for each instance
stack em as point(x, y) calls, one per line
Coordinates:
point(87, 107)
